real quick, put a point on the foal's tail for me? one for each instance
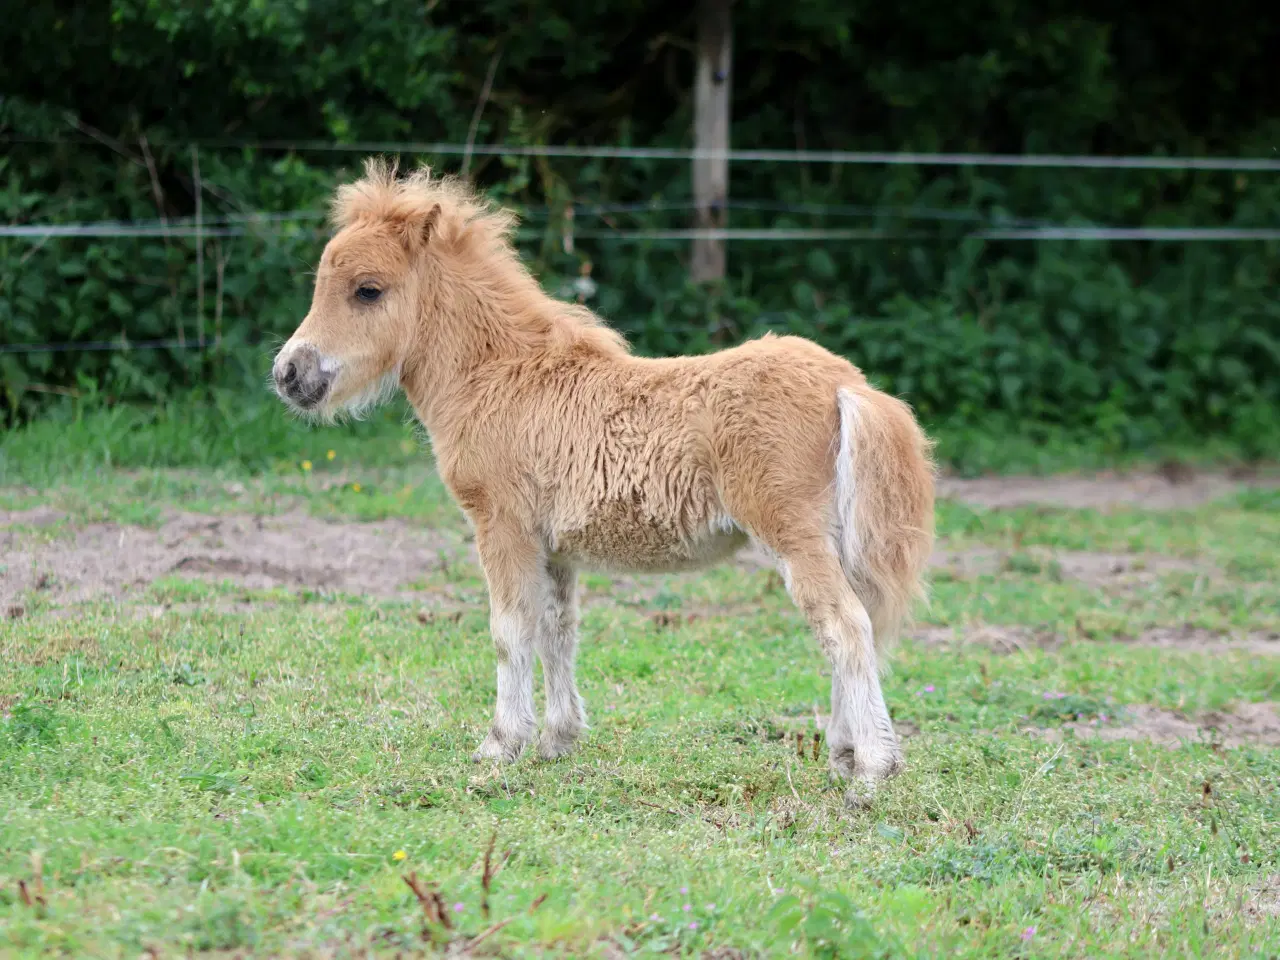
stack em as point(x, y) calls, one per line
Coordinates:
point(884, 506)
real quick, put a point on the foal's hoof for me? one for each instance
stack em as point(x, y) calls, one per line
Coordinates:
point(864, 770)
point(499, 749)
point(553, 746)
point(860, 794)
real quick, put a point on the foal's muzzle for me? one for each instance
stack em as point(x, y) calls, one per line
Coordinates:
point(300, 376)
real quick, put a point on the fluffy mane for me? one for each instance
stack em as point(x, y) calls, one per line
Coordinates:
point(383, 194)
point(466, 224)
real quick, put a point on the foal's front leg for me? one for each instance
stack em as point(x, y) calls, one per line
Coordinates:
point(557, 644)
point(520, 599)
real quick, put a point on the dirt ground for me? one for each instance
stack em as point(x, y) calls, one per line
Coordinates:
point(1010, 639)
point(1247, 723)
point(385, 559)
point(1169, 488)
point(289, 550)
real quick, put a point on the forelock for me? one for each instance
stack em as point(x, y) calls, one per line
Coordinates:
point(383, 194)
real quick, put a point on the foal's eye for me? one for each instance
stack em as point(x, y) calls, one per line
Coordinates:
point(368, 294)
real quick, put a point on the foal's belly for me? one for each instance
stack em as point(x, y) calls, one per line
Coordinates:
point(622, 537)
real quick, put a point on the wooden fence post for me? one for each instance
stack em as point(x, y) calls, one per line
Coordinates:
point(711, 88)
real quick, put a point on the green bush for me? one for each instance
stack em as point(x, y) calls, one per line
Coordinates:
point(1132, 341)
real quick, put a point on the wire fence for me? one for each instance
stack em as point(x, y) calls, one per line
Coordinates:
point(737, 234)
point(121, 345)
point(839, 157)
point(1005, 229)
point(248, 223)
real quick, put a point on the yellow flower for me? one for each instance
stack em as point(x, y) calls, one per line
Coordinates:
point(331, 454)
point(355, 487)
point(306, 465)
point(399, 855)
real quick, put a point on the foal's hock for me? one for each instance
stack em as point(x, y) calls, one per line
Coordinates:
point(566, 452)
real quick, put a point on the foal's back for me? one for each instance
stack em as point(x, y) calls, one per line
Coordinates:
point(630, 463)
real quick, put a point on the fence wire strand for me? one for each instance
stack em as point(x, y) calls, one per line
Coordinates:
point(1005, 229)
point(839, 157)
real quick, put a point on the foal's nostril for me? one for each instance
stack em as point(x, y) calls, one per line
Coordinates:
point(302, 378)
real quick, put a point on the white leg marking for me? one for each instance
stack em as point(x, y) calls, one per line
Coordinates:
point(557, 644)
point(513, 721)
point(860, 738)
point(862, 746)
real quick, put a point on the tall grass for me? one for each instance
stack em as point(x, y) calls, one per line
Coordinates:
point(211, 429)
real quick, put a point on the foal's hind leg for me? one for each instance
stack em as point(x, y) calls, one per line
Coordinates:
point(557, 644)
point(860, 739)
point(520, 604)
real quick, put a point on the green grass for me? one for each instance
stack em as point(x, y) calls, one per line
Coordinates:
point(216, 429)
point(254, 772)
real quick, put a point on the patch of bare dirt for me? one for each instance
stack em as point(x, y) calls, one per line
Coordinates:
point(1264, 898)
point(292, 550)
point(999, 637)
point(1101, 569)
point(1207, 641)
point(1005, 638)
point(1091, 568)
point(1256, 724)
point(1171, 488)
point(35, 517)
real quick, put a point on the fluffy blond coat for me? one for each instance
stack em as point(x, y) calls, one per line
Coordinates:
point(567, 452)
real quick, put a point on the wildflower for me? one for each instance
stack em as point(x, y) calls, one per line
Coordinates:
point(306, 466)
point(711, 906)
point(355, 488)
point(1028, 933)
point(331, 454)
point(399, 855)
point(693, 924)
point(654, 916)
point(1054, 695)
point(684, 889)
point(686, 908)
point(457, 908)
point(927, 688)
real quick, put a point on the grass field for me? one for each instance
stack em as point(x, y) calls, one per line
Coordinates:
point(237, 706)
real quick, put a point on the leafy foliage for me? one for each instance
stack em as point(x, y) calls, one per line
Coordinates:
point(1135, 341)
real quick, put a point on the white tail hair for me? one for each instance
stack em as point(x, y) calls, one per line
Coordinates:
point(883, 510)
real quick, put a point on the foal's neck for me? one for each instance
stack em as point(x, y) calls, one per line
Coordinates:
point(470, 321)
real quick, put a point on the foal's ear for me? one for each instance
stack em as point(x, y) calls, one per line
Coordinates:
point(429, 223)
point(416, 230)
point(432, 218)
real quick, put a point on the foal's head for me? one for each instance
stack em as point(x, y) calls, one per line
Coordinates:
point(371, 290)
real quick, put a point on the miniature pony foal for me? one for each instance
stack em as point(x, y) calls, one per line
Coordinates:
point(565, 452)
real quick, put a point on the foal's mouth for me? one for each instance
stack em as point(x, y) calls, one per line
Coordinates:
point(305, 397)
